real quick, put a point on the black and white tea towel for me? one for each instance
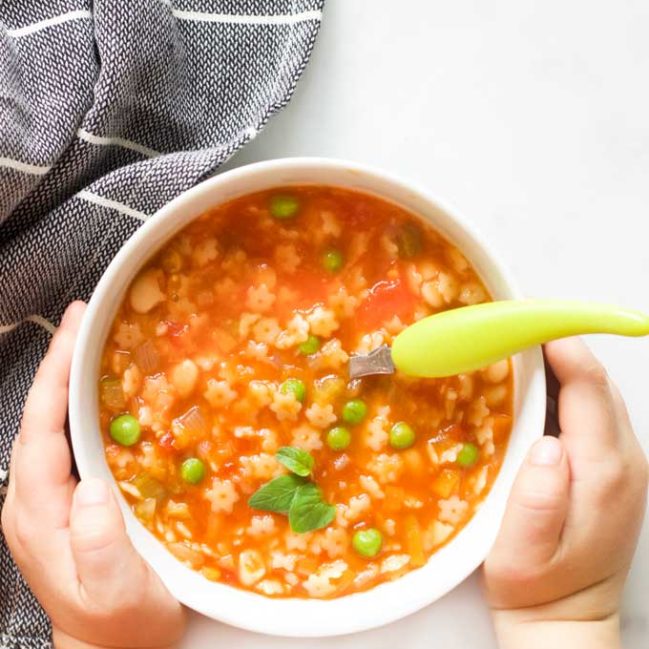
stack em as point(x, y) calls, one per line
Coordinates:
point(108, 110)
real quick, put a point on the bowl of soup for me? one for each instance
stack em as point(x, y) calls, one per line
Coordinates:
point(210, 387)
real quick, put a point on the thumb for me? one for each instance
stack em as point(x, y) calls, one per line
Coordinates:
point(105, 559)
point(536, 509)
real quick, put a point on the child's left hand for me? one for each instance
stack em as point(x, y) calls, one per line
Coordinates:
point(69, 539)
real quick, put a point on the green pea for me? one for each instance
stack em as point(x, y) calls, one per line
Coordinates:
point(338, 438)
point(401, 436)
point(310, 346)
point(283, 206)
point(294, 387)
point(192, 470)
point(125, 430)
point(354, 411)
point(367, 542)
point(332, 260)
point(468, 455)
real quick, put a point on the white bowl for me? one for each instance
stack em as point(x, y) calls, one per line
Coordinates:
point(303, 617)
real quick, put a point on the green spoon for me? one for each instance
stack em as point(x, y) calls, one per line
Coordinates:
point(466, 339)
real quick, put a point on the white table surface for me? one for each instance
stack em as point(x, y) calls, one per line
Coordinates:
point(531, 118)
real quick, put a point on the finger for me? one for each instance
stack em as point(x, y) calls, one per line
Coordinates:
point(11, 487)
point(41, 512)
point(8, 509)
point(107, 564)
point(621, 411)
point(113, 579)
point(570, 359)
point(40, 470)
point(537, 508)
point(587, 414)
point(47, 400)
point(40, 547)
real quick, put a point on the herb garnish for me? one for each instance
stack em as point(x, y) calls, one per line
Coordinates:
point(294, 495)
point(308, 511)
point(276, 495)
point(296, 460)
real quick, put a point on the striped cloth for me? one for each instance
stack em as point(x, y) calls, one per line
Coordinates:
point(109, 109)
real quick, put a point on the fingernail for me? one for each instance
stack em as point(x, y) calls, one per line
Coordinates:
point(66, 315)
point(546, 452)
point(91, 492)
point(69, 311)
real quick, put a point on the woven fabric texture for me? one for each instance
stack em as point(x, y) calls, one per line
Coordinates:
point(108, 110)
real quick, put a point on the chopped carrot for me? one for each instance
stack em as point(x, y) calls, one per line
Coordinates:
point(414, 543)
point(446, 483)
point(413, 461)
point(454, 432)
point(214, 527)
point(307, 565)
point(501, 427)
point(213, 574)
point(393, 498)
point(344, 583)
point(186, 555)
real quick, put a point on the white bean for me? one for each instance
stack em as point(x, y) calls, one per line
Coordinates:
point(251, 567)
point(430, 293)
point(495, 395)
point(466, 386)
point(472, 293)
point(145, 292)
point(497, 372)
point(184, 377)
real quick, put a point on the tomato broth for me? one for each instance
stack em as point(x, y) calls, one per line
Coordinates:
point(226, 369)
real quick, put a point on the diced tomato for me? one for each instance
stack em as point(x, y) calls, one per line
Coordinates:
point(167, 442)
point(360, 215)
point(176, 334)
point(387, 298)
point(229, 577)
point(176, 329)
point(456, 432)
point(310, 287)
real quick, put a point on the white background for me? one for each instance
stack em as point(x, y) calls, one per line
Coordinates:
point(532, 118)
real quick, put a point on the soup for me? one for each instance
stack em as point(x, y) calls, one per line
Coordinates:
point(228, 417)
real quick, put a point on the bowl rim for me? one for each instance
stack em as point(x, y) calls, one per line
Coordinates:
point(293, 616)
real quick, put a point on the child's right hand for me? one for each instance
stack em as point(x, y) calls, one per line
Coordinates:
point(555, 575)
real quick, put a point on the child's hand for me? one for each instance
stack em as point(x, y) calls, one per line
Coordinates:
point(69, 540)
point(555, 575)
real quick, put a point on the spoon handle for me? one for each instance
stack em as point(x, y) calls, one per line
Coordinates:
point(466, 339)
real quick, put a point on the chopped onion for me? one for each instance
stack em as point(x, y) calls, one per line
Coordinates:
point(149, 487)
point(111, 394)
point(328, 388)
point(184, 553)
point(146, 357)
point(192, 422)
point(130, 489)
point(145, 510)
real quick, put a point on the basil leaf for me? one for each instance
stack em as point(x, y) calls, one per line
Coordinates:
point(296, 460)
point(308, 511)
point(276, 495)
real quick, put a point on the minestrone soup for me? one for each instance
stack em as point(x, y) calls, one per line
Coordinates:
point(229, 420)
